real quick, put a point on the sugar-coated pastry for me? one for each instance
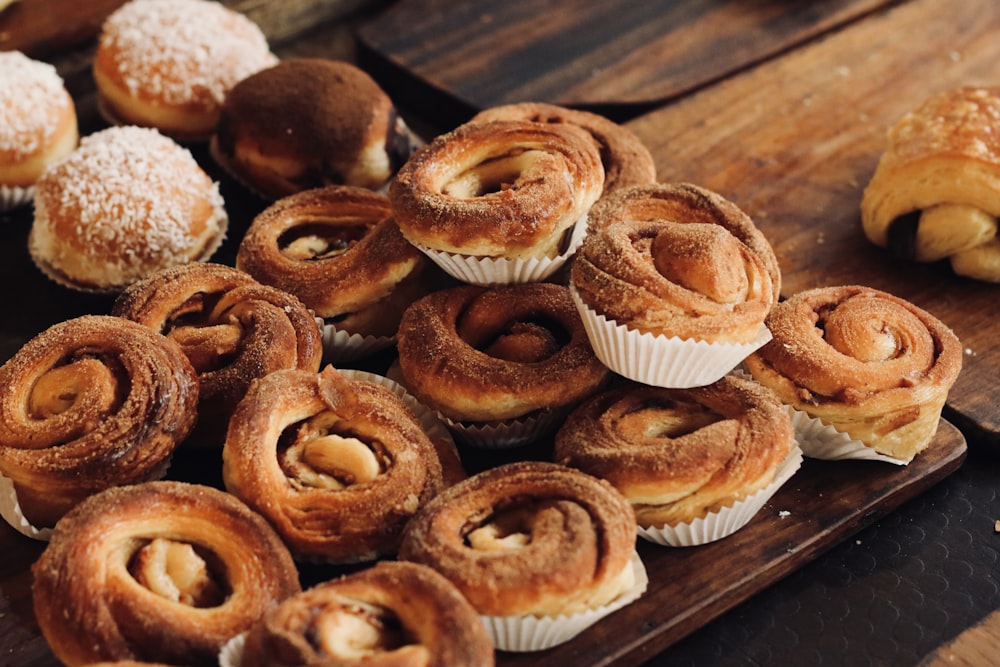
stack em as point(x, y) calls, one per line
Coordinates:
point(868, 363)
point(935, 193)
point(38, 124)
point(127, 202)
point(394, 613)
point(170, 64)
point(164, 571)
point(307, 123)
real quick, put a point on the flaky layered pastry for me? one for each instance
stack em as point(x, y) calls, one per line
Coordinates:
point(160, 571)
point(868, 363)
point(337, 466)
point(391, 614)
point(935, 193)
point(90, 403)
point(528, 538)
point(679, 454)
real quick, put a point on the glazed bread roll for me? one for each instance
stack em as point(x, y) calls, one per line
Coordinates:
point(935, 193)
point(528, 538)
point(679, 454)
point(164, 571)
point(337, 466)
point(394, 613)
point(90, 403)
point(868, 363)
point(498, 189)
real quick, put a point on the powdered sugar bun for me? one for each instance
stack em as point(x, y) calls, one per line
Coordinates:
point(169, 64)
point(127, 202)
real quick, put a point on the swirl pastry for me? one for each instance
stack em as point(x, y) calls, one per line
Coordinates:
point(90, 403)
point(498, 189)
point(337, 466)
point(479, 354)
point(340, 252)
point(232, 328)
point(935, 193)
point(394, 613)
point(863, 361)
point(528, 538)
point(679, 454)
point(164, 571)
point(626, 159)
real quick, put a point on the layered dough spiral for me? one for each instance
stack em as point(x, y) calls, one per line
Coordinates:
point(528, 538)
point(90, 403)
point(391, 614)
point(679, 454)
point(868, 363)
point(164, 571)
point(336, 465)
point(339, 250)
point(232, 328)
point(503, 188)
point(935, 193)
point(677, 260)
point(485, 354)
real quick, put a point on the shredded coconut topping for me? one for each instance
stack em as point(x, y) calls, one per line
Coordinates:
point(32, 97)
point(183, 50)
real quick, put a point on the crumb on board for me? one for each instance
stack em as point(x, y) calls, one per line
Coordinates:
point(784, 513)
point(996, 526)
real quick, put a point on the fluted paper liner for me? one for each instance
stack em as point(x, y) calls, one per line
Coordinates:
point(231, 653)
point(341, 346)
point(819, 440)
point(727, 520)
point(13, 196)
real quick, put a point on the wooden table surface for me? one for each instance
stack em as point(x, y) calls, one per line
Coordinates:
point(782, 108)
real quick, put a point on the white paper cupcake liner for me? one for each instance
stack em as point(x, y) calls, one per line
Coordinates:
point(727, 520)
point(537, 633)
point(10, 510)
point(819, 440)
point(662, 361)
point(13, 196)
point(499, 270)
point(341, 346)
point(231, 653)
point(506, 434)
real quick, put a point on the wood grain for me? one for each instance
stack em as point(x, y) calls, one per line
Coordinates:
point(977, 646)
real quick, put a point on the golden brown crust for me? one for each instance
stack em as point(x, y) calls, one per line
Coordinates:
point(232, 328)
point(866, 362)
point(553, 540)
point(88, 598)
point(679, 454)
point(90, 403)
point(499, 188)
point(337, 466)
point(395, 614)
point(483, 354)
point(339, 251)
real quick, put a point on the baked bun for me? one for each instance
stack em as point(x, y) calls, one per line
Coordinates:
point(935, 193)
point(126, 203)
point(169, 64)
point(307, 123)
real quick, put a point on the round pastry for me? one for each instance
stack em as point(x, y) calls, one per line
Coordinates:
point(307, 123)
point(90, 403)
point(394, 613)
point(232, 328)
point(498, 189)
point(935, 193)
point(163, 571)
point(38, 124)
point(338, 250)
point(337, 466)
point(679, 454)
point(626, 159)
point(127, 202)
point(169, 64)
point(868, 363)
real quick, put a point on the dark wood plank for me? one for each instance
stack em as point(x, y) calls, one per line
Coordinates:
point(795, 141)
point(43, 28)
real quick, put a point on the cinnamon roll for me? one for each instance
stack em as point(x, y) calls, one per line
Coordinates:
point(164, 571)
point(232, 328)
point(394, 613)
point(935, 193)
point(679, 454)
point(90, 403)
point(337, 466)
point(866, 362)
